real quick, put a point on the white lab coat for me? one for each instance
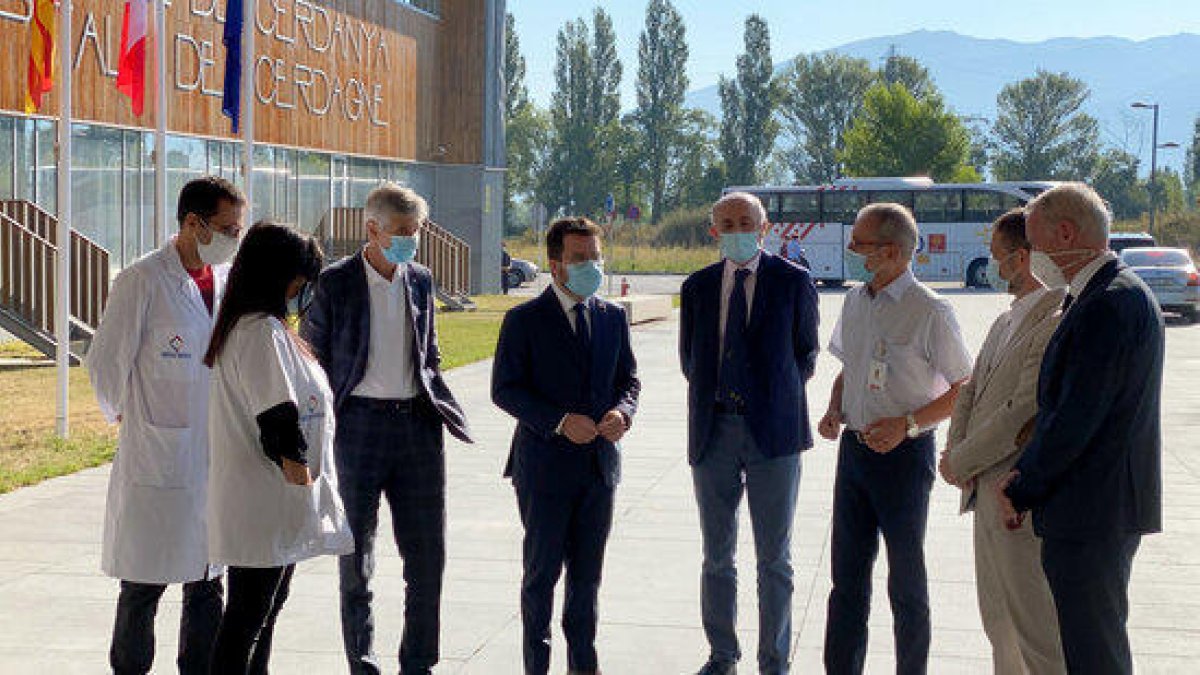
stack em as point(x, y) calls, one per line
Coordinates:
point(256, 518)
point(146, 366)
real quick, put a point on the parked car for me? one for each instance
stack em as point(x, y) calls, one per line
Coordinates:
point(1119, 241)
point(523, 271)
point(1171, 276)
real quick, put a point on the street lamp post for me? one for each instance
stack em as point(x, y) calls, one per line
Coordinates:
point(1154, 148)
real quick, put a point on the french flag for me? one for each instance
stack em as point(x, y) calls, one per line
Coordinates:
point(131, 65)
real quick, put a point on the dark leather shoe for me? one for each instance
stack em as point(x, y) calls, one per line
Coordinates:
point(718, 668)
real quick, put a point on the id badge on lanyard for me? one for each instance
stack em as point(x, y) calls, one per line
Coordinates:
point(877, 371)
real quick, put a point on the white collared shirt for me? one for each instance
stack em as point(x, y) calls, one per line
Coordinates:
point(390, 373)
point(1084, 276)
point(727, 281)
point(568, 306)
point(910, 329)
point(1020, 308)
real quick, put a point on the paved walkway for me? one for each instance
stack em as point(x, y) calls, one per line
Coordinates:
point(56, 609)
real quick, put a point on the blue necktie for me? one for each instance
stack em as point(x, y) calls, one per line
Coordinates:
point(735, 361)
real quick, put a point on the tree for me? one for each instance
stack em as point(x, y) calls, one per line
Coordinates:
point(1041, 131)
point(819, 96)
point(1191, 168)
point(1169, 187)
point(695, 173)
point(526, 129)
point(748, 126)
point(661, 85)
point(898, 135)
point(909, 73)
point(1116, 179)
point(581, 169)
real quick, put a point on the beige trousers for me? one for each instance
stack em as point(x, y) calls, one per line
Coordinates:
point(1014, 597)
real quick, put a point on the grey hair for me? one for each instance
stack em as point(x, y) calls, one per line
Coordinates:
point(1079, 204)
point(745, 197)
point(894, 224)
point(391, 199)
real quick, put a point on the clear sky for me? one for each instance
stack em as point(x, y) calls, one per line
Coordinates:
point(714, 27)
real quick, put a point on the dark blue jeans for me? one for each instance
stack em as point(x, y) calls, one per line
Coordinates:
point(1090, 584)
point(132, 650)
point(732, 465)
point(396, 454)
point(880, 493)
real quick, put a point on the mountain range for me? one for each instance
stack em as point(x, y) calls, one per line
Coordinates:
point(971, 71)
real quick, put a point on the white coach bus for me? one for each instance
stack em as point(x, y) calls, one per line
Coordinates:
point(954, 219)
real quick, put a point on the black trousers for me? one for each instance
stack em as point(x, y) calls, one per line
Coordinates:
point(1090, 584)
point(563, 530)
point(256, 594)
point(876, 494)
point(132, 650)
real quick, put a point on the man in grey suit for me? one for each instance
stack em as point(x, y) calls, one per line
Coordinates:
point(990, 425)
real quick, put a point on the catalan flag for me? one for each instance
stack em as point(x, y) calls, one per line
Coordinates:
point(131, 68)
point(42, 37)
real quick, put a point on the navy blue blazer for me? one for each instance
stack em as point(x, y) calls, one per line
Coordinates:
point(783, 346)
point(338, 326)
point(1093, 467)
point(541, 373)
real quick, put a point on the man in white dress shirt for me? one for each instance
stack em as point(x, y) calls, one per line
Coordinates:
point(372, 327)
point(990, 425)
point(903, 362)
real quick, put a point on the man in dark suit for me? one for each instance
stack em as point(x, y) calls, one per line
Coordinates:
point(565, 369)
point(747, 344)
point(371, 325)
point(1092, 472)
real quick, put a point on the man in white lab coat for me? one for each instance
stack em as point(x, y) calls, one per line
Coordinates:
point(145, 364)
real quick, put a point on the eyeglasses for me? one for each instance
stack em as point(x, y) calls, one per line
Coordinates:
point(855, 243)
point(228, 231)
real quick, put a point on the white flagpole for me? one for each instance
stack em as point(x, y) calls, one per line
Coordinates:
point(161, 213)
point(246, 114)
point(62, 304)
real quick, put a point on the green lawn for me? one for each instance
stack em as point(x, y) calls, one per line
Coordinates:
point(624, 258)
point(31, 453)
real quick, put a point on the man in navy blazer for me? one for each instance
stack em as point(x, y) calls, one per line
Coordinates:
point(1092, 472)
point(747, 344)
point(565, 370)
point(371, 325)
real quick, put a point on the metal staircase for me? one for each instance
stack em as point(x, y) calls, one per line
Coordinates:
point(28, 249)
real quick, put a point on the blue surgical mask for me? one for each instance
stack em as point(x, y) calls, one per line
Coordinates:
point(739, 247)
point(856, 267)
point(402, 249)
point(584, 278)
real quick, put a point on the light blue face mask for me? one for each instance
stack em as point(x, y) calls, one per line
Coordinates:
point(584, 278)
point(739, 247)
point(856, 267)
point(402, 249)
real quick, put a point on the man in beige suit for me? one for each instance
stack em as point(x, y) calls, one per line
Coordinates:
point(989, 427)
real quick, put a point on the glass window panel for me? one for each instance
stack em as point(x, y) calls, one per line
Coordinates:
point(802, 207)
point(46, 173)
point(981, 206)
point(7, 169)
point(365, 175)
point(904, 197)
point(23, 159)
point(313, 190)
point(186, 159)
point(264, 185)
point(97, 194)
point(839, 206)
point(938, 206)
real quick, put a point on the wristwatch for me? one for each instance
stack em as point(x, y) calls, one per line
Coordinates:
point(911, 429)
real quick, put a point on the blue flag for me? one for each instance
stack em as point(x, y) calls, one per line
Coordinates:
point(231, 102)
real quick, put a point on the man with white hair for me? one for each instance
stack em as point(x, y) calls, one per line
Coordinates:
point(1092, 471)
point(903, 362)
point(747, 345)
point(371, 325)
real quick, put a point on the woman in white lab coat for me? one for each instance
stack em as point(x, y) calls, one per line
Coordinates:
point(145, 367)
point(273, 498)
